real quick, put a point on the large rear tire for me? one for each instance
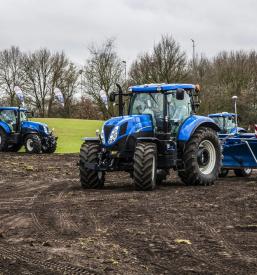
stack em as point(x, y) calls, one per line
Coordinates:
point(202, 158)
point(33, 144)
point(90, 178)
point(145, 166)
point(243, 172)
point(3, 141)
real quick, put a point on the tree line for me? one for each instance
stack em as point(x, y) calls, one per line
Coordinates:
point(38, 73)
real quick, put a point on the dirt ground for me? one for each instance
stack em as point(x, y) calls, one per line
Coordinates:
point(49, 225)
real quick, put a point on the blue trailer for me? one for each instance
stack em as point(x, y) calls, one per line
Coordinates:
point(239, 148)
point(239, 153)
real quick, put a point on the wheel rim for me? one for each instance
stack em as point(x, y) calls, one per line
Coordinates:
point(206, 157)
point(29, 144)
point(0, 139)
point(248, 170)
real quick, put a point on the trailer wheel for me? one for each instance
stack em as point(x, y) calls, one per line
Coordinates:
point(202, 158)
point(90, 178)
point(243, 172)
point(33, 144)
point(223, 172)
point(3, 141)
point(145, 166)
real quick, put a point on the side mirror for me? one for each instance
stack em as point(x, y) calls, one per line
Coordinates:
point(180, 94)
point(112, 97)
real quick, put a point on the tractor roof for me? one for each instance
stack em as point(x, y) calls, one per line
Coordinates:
point(12, 108)
point(159, 87)
point(224, 114)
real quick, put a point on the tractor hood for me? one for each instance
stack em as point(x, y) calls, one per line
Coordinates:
point(117, 128)
point(31, 126)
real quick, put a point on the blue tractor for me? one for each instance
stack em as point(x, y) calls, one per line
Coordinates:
point(227, 123)
point(16, 131)
point(160, 132)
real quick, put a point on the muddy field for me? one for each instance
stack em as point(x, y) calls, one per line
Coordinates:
point(49, 225)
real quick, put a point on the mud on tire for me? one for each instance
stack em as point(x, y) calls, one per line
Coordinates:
point(202, 158)
point(90, 178)
point(145, 163)
point(33, 144)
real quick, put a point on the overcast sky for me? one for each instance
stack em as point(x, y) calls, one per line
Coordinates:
point(71, 25)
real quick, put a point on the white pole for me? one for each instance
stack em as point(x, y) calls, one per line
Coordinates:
point(235, 99)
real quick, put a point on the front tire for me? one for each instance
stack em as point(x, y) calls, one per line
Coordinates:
point(202, 158)
point(145, 166)
point(246, 172)
point(50, 147)
point(33, 144)
point(90, 178)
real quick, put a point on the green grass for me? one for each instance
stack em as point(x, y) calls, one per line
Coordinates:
point(71, 131)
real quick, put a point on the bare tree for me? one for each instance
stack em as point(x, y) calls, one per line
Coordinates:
point(11, 72)
point(38, 67)
point(167, 63)
point(102, 71)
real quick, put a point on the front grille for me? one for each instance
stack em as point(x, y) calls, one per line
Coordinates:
point(123, 128)
point(107, 131)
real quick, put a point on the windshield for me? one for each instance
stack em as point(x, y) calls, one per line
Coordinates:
point(230, 123)
point(178, 110)
point(153, 104)
point(8, 116)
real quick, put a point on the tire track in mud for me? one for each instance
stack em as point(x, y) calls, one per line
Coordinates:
point(228, 250)
point(14, 253)
point(192, 249)
point(55, 202)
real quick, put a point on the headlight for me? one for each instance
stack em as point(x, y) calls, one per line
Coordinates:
point(102, 135)
point(45, 129)
point(113, 135)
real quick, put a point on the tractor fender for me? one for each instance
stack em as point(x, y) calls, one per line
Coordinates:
point(193, 122)
point(5, 127)
point(29, 133)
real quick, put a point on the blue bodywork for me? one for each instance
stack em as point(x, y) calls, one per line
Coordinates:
point(26, 126)
point(239, 151)
point(147, 88)
point(143, 123)
point(191, 124)
point(135, 124)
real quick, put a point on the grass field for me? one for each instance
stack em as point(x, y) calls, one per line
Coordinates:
point(70, 131)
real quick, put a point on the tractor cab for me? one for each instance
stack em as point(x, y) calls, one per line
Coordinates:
point(227, 123)
point(168, 105)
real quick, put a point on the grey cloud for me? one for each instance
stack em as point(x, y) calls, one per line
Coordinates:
point(71, 25)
